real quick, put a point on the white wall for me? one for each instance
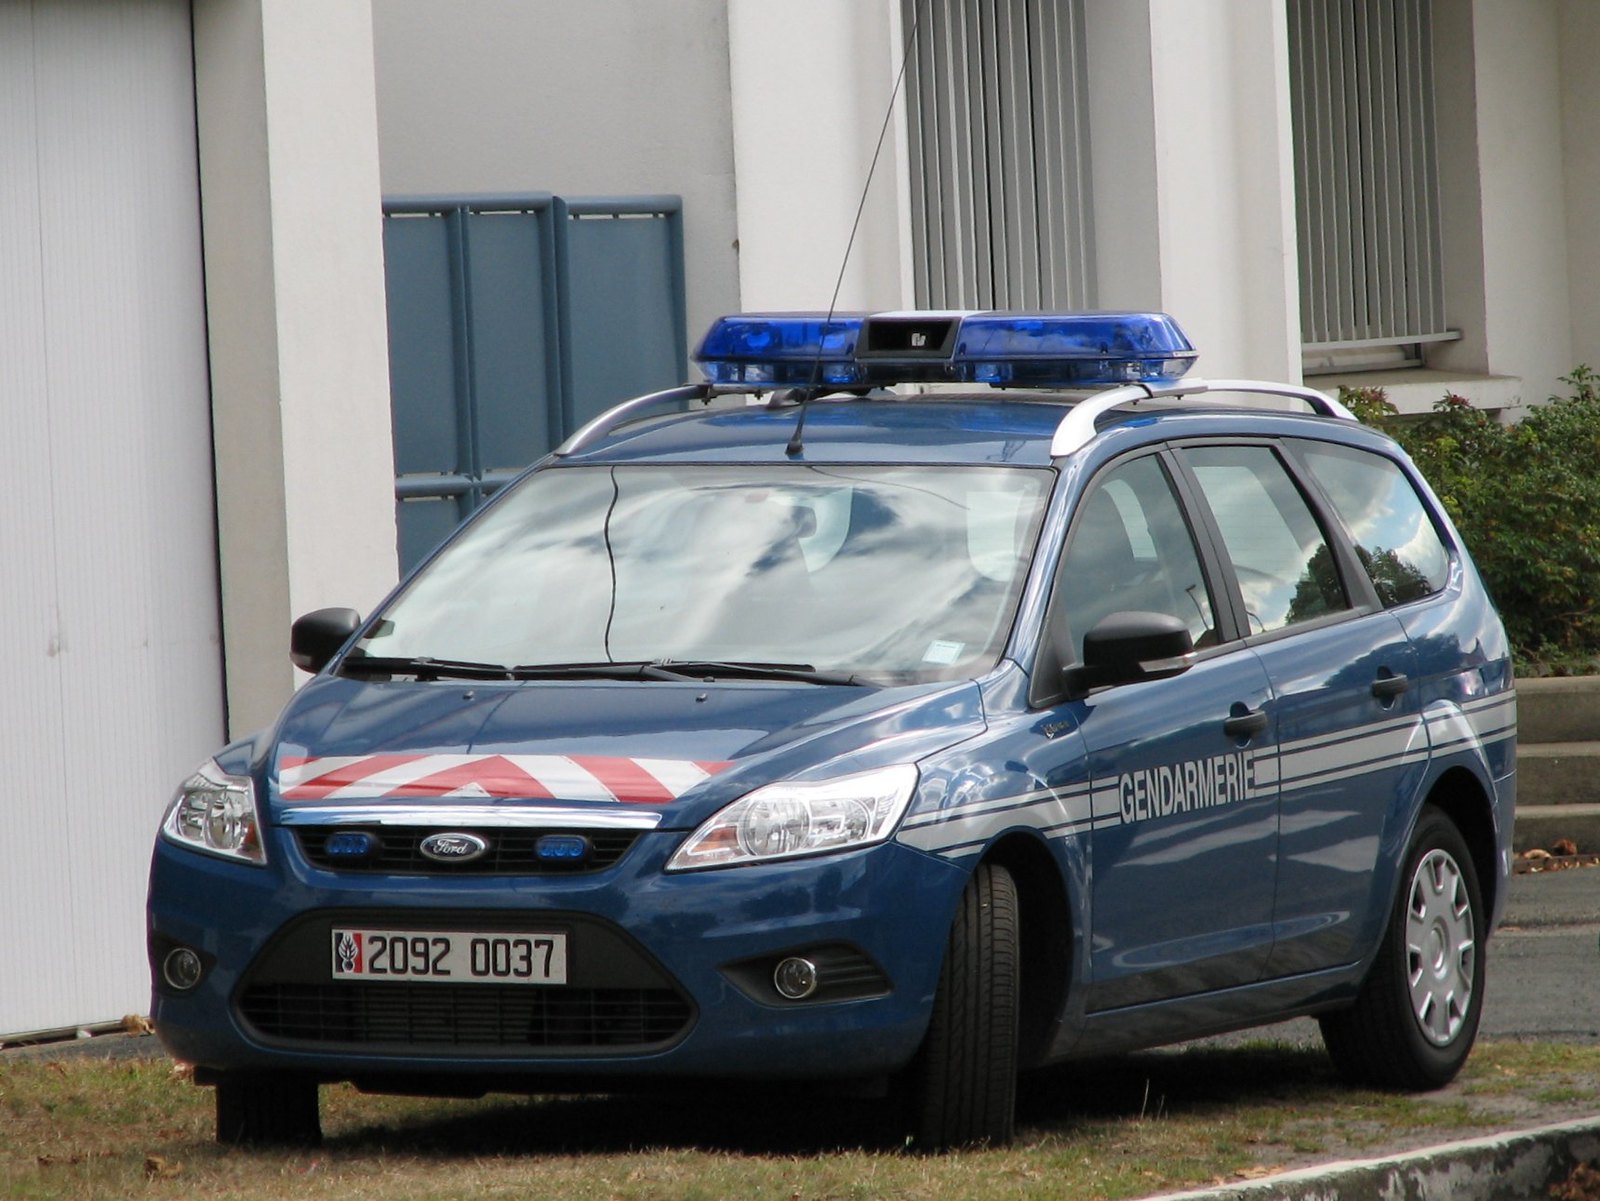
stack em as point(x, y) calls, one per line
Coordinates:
point(604, 97)
point(811, 88)
point(108, 612)
point(299, 345)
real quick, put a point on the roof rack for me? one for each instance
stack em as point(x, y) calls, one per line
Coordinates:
point(1077, 428)
point(602, 425)
point(1075, 432)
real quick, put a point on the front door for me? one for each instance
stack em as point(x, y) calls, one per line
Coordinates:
point(1183, 770)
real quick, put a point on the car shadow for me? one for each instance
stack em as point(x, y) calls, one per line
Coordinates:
point(773, 1120)
point(759, 1122)
point(1179, 1080)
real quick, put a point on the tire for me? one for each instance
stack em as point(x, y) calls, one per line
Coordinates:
point(1416, 1016)
point(267, 1110)
point(963, 1083)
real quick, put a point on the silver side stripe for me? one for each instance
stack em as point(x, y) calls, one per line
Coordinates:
point(1073, 796)
point(1300, 765)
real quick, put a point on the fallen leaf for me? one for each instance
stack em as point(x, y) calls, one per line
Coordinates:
point(1254, 1172)
point(1582, 1185)
point(157, 1167)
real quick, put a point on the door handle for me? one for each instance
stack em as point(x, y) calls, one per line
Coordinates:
point(1246, 723)
point(1388, 685)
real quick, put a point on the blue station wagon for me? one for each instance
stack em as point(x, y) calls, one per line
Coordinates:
point(922, 699)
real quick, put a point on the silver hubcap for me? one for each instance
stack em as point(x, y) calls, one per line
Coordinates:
point(1441, 950)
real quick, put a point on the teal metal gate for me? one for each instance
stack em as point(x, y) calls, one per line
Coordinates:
point(513, 320)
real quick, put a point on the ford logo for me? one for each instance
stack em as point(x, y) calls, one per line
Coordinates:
point(453, 848)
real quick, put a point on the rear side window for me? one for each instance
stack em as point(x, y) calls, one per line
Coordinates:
point(1285, 570)
point(1386, 519)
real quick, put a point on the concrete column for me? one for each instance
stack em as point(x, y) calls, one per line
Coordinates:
point(811, 83)
point(292, 216)
point(1579, 35)
point(1194, 175)
point(1527, 322)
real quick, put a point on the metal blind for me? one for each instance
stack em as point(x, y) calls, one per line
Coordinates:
point(1366, 179)
point(999, 154)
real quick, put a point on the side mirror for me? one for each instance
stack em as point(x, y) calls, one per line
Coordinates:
point(1123, 648)
point(317, 636)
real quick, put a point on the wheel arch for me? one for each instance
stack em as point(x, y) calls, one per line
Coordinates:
point(1046, 939)
point(1460, 795)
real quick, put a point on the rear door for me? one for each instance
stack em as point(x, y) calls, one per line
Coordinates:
point(1341, 671)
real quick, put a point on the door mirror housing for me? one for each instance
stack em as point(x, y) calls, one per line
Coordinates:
point(315, 637)
point(1123, 648)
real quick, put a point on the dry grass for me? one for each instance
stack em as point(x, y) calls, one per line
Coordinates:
point(85, 1128)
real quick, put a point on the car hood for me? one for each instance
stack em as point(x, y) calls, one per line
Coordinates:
point(682, 750)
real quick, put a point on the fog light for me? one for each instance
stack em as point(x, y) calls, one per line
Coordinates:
point(795, 978)
point(182, 969)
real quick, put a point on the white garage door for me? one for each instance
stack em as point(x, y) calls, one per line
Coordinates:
point(110, 665)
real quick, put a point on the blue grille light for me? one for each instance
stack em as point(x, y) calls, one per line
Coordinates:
point(562, 848)
point(348, 844)
point(793, 349)
point(1042, 350)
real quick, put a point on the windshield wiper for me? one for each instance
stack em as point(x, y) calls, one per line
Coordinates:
point(683, 669)
point(706, 669)
point(639, 669)
point(421, 666)
point(424, 667)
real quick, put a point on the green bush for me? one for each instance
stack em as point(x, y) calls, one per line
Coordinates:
point(1526, 498)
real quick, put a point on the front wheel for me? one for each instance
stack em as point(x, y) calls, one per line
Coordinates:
point(963, 1083)
point(1416, 1016)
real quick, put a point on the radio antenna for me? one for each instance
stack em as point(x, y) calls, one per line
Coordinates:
point(795, 445)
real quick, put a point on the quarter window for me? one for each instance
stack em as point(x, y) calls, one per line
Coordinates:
point(1286, 571)
point(1386, 520)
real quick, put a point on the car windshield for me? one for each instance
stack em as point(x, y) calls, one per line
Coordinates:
point(892, 574)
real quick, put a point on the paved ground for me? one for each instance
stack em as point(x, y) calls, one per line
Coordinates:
point(1544, 964)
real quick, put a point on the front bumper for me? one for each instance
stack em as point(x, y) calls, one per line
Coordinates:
point(668, 972)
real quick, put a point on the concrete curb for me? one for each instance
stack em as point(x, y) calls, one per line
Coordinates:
point(1496, 1168)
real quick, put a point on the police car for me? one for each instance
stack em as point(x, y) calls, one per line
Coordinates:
point(921, 699)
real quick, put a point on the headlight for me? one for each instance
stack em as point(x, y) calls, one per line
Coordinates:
point(216, 812)
point(788, 819)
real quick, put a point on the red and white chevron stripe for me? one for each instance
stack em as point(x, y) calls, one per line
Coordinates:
point(533, 777)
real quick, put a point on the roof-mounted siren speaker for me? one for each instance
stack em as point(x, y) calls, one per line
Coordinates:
point(906, 347)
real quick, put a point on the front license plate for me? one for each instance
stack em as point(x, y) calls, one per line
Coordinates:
point(450, 956)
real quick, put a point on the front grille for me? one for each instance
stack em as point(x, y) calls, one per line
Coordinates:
point(511, 851)
point(467, 1016)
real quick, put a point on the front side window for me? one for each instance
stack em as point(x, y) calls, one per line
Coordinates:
point(895, 574)
point(1385, 517)
point(1131, 551)
point(1285, 569)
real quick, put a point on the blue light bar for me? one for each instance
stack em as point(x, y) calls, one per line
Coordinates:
point(1042, 350)
point(1070, 350)
point(793, 349)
